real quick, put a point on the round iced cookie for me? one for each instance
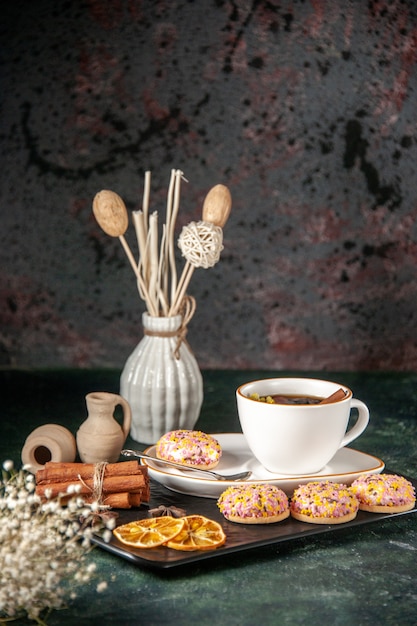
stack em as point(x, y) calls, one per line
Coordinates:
point(324, 503)
point(191, 448)
point(384, 493)
point(254, 504)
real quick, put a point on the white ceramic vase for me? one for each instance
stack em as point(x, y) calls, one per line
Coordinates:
point(161, 381)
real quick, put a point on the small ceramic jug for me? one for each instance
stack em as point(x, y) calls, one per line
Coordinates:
point(50, 442)
point(101, 437)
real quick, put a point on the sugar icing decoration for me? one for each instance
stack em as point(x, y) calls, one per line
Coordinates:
point(189, 446)
point(324, 500)
point(383, 490)
point(252, 501)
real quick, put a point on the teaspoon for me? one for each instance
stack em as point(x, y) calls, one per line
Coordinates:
point(232, 477)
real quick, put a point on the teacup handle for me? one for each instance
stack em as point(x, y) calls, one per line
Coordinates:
point(360, 425)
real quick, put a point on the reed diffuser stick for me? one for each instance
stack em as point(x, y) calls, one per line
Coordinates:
point(165, 248)
point(171, 232)
point(156, 270)
point(153, 258)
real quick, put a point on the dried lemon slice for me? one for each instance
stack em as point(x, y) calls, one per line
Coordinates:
point(198, 533)
point(149, 532)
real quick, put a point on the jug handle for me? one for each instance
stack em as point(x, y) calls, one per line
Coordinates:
point(127, 415)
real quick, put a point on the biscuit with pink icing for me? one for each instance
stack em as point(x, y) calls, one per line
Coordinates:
point(384, 493)
point(254, 503)
point(324, 503)
point(191, 448)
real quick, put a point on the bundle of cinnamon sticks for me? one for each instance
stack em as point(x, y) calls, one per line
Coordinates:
point(118, 485)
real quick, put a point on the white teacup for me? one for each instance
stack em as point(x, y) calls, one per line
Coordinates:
point(297, 439)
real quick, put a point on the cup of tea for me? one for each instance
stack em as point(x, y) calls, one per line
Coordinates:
point(295, 426)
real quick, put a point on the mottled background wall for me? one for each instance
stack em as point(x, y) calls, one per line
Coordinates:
point(305, 109)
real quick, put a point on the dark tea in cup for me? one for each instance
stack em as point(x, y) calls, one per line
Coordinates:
point(290, 399)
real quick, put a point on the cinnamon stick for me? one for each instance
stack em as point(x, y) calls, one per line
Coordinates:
point(136, 500)
point(340, 394)
point(110, 484)
point(123, 500)
point(122, 486)
point(145, 493)
point(64, 472)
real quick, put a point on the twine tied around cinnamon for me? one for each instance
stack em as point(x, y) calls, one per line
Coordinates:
point(187, 311)
point(98, 479)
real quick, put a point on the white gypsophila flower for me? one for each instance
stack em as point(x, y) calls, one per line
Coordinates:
point(43, 547)
point(74, 488)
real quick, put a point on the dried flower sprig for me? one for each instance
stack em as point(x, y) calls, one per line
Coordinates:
point(43, 544)
point(201, 243)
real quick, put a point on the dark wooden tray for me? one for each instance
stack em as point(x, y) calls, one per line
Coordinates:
point(239, 536)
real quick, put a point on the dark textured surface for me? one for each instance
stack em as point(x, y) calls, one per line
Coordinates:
point(305, 109)
point(357, 576)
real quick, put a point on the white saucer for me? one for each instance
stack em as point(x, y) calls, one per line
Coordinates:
point(345, 467)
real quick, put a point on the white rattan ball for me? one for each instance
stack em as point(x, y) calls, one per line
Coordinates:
point(201, 243)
